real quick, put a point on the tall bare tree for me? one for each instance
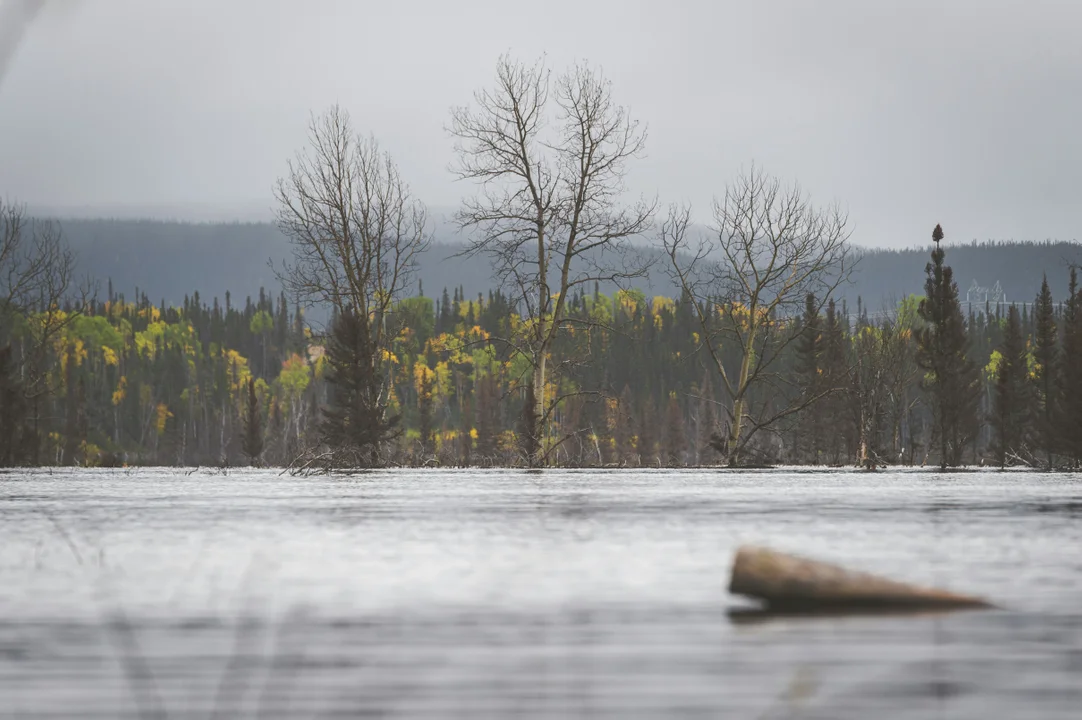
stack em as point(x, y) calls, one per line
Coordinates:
point(37, 277)
point(549, 157)
point(356, 233)
point(769, 248)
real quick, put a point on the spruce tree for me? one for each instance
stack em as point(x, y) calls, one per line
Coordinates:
point(1069, 415)
point(487, 418)
point(71, 411)
point(425, 402)
point(809, 352)
point(528, 441)
point(14, 413)
point(622, 430)
point(1046, 362)
point(1011, 400)
point(708, 421)
point(355, 422)
point(675, 440)
point(252, 441)
point(952, 380)
point(835, 417)
point(648, 435)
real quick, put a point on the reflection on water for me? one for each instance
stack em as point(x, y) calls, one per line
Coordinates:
point(158, 593)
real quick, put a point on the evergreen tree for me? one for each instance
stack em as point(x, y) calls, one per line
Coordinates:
point(707, 423)
point(465, 437)
point(809, 352)
point(835, 417)
point(648, 435)
point(425, 402)
point(1011, 405)
point(675, 440)
point(277, 430)
point(252, 441)
point(528, 441)
point(952, 379)
point(1069, 415)
point(487, 418)
point(355, 422)
point(14, 413)
point(75, 425)
point(622, 430)
point(1046, 361)
point(443, 321)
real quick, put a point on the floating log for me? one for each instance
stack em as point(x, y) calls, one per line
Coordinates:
point(795, 584)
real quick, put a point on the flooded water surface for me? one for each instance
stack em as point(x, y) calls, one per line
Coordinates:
point(179, 594)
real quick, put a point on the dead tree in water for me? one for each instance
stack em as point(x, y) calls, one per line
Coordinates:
point(549, 156)
point(37, 277)
point(356, 233)
point(768, 251)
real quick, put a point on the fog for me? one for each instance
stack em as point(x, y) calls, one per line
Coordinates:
point(962, 113)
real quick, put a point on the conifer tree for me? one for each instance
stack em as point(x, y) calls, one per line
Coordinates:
point(75, 416)
point(465, 436)
point(528, 441)
point(707, 423)
point(1069, 416)
point(252, 441)
point(14, 413)
point(836, 419)
point(648, 435)
point(622, 430)
point(809, 352)
point(355, 422)
point(425, 402)
point(1011, 405)
point(675, 440)
point(1046, 362)
point(277, 430)
point(952, 379)
point(487, 418)
point(443, 321)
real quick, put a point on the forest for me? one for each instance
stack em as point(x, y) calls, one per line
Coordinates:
point(131, 382)
point(756, 354)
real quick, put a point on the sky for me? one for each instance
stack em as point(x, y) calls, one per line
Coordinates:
point(961, 112)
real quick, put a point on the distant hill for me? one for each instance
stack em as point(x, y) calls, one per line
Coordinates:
point(168, 260)
point(1017, 266)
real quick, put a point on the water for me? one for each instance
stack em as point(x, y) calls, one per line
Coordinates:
point(162, 593)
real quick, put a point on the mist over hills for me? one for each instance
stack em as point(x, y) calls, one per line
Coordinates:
point(168, 260)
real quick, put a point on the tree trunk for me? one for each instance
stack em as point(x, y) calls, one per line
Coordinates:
point(539, 407)
point(789, 582)
point(738, 401)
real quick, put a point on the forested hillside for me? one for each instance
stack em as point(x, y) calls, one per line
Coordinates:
point(171, 260)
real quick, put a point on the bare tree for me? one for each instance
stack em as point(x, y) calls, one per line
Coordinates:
point(355, 229)
point(549, 156)
point(37, 276)
point(356, 232)
point(768, 249)
point(37, 269)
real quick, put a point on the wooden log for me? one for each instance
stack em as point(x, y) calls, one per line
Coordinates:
point(791, 583)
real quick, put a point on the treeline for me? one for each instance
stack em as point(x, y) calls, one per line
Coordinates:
point(133, 382)
point(170, 258)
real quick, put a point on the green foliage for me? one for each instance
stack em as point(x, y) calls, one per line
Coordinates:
point(953, 382)
point(1012, 399)
point(132, 382)
point(355, 421)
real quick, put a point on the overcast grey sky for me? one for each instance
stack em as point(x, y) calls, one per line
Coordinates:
point(967, 113)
